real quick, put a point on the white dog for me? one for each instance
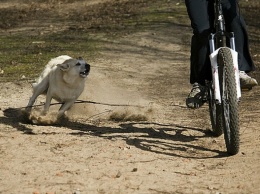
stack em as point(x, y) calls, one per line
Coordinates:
point(63, 79)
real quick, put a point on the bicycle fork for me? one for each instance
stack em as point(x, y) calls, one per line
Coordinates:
point(214, 64)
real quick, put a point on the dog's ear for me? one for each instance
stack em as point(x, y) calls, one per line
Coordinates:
point(64, 66)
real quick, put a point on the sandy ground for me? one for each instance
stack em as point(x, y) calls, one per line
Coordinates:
point(153, 145)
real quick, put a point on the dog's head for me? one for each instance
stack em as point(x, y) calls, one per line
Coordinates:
point(76, 67)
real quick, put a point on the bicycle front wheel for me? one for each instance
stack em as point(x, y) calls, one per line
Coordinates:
point(230, 117)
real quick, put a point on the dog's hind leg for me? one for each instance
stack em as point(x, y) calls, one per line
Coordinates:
point(31, 102)
point(38, 89)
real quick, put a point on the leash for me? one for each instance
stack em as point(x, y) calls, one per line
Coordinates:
point(87, 101)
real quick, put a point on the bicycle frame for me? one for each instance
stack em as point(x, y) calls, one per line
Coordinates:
point(217, 41)
point(221, 33)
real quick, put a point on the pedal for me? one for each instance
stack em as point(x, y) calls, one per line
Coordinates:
point(246, 88)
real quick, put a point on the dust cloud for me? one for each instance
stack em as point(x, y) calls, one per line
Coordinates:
point(102, 99)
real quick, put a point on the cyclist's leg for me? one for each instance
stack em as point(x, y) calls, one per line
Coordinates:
point(201, 23)
point(235, 23)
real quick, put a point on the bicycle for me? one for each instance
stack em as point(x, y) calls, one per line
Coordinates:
point(224, 90)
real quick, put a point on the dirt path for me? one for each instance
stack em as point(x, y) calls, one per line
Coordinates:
point(162, 148)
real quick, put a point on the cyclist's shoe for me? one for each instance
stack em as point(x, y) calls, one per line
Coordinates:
point(197, 96)
point(246, 82)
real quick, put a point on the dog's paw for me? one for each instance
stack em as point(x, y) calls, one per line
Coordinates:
point(47, 120)
point(43, 120)
point(34, 119)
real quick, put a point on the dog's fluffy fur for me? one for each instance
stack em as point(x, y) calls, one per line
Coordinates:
point(63, 79)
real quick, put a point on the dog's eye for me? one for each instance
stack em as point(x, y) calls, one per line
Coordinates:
point(78, 64)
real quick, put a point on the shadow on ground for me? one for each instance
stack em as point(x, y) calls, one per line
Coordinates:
point(166, 139)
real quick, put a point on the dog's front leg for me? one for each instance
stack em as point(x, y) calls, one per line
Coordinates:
point(47, 103)
point(64, 108)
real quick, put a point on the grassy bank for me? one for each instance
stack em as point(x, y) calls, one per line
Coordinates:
point(32, 32)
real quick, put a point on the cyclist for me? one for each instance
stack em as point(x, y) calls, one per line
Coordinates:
point(201, 14)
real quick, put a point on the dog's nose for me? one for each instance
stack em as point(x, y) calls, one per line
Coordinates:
point(87, 66)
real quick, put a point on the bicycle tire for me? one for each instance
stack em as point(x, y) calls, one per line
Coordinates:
point(215, 113)
point(229, 101)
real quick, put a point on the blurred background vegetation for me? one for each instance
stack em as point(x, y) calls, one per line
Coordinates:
point(33, 31)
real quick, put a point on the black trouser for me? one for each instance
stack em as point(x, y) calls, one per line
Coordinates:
point(201, 13)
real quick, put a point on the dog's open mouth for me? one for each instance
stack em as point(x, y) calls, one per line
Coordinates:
point(84, 65)
point(84, 73)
